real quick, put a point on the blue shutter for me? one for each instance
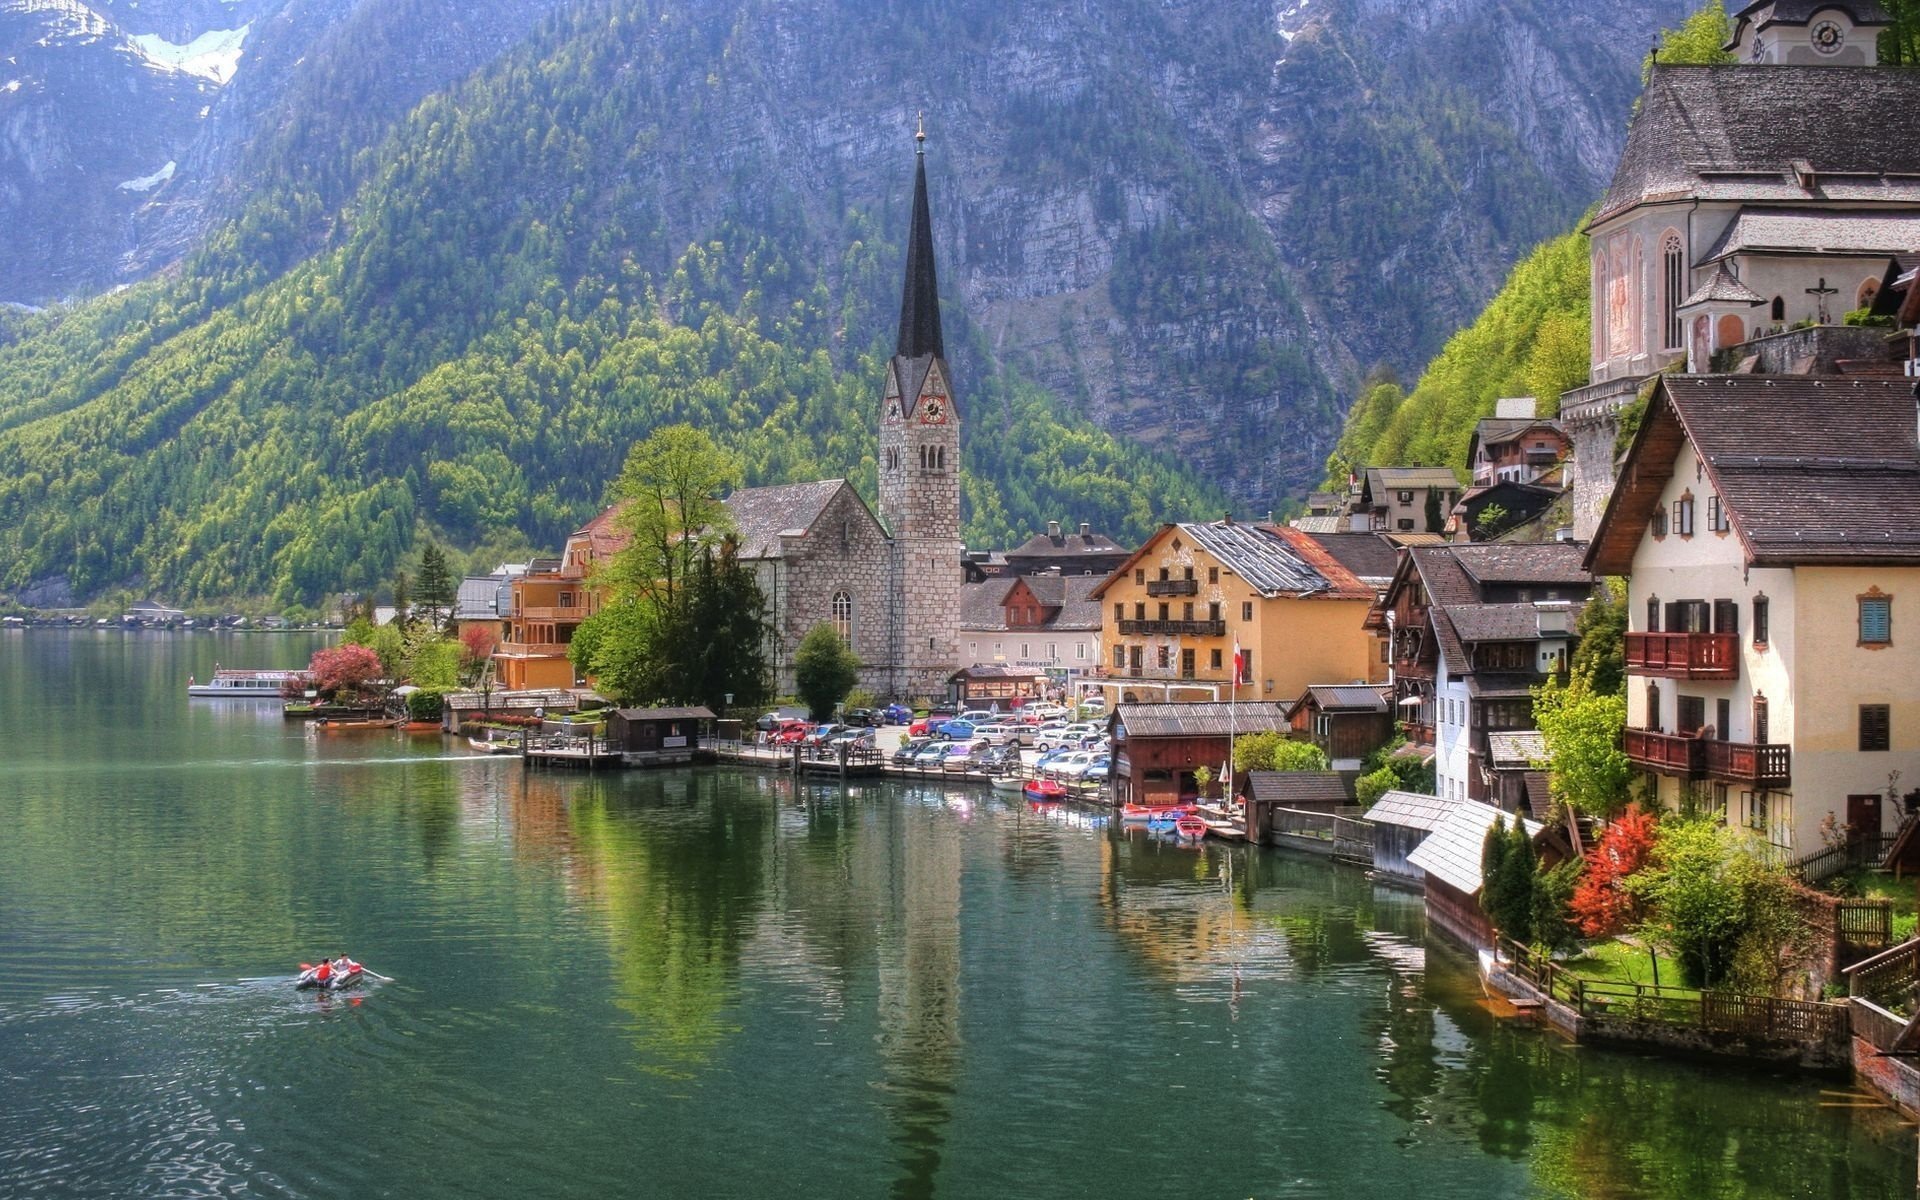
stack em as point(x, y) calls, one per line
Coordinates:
point(1876, 620)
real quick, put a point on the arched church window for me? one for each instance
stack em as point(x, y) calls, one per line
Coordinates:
point(843, 616)
point(940, 458)
point(1779, 310)
point(1674, 284)
point(1868, 291)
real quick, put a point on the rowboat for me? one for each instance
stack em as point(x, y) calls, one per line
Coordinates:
point(336, 725)
point(1008, 783)
point(1190, 828)
point(338, 981)
point(1045, 790)
point(1135, 814)
point(487, 746)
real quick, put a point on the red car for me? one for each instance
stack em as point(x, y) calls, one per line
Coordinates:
point(919, 728)
point(790, 733)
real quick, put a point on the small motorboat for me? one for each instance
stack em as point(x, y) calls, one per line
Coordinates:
point(336, 981)
point(1190, 828)
point(1045, 790)
point(1009, 783)
point(489, 746)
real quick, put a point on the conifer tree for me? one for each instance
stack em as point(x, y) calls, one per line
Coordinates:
point(436, 587)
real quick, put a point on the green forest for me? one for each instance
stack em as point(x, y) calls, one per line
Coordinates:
point(288, 414)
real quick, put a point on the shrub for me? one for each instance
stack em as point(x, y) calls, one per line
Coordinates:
point(1604, 904)
point(425, 706)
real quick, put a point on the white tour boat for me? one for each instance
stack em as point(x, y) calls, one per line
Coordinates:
point(246, 683)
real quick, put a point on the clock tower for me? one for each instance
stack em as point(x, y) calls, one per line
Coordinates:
point(920, 471)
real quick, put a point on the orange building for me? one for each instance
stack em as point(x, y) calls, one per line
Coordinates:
point(549, 602)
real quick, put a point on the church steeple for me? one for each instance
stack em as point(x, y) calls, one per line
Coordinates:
point(920, 294)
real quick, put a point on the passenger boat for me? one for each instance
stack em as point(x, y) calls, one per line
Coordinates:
point(1045, 790)
point(1137, 813)
point(245, 684)
point(1190, 828)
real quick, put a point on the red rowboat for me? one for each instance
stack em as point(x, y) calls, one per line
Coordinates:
point(1190, 828)
point(1154, 812)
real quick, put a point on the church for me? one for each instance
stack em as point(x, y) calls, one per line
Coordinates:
point(889, 583)
point(1755, 204)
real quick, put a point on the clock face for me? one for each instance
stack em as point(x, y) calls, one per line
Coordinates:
point(933, 410)
point(1828, 37)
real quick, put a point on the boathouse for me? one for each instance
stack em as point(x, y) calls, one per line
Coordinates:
point(1158, 747)
point(648, 737)
point(1347, 721)
point(1401, 821)
point(1450, 858)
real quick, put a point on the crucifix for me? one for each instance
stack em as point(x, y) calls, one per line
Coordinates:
point(1820, 295)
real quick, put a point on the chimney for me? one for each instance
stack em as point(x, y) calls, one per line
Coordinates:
point(1086, 530)
point(1053, 530)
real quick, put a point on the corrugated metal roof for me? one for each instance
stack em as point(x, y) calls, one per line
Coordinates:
point(1349, 697)
point(1451, 852)
point(1202, 719)
point(1259, 556)
point(1410, 810)
point(666, 714)
point(1319, 789)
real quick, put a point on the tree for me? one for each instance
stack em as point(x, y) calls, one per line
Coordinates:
point(402, 614)
point(1694, 894)
point(387, 642)
point(670, 493)
point(432, 659)
point(824, 670)
point(1436, 520)
point(1493, 861)
point(1273, 750)
point(477, 643)
point(1373, 785)
point(1583, 730)
point(1697, 41)
point(1491, 521)
point(348, 670)
point(727, 624)
point(435, 589)
point(1508, 897)
point(1553, 921)
point(1604, 903)
point(1600, 660)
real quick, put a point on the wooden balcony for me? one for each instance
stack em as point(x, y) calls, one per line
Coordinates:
point(1173, 628)
point(1769, 766)
point(1666, 753)
point(574, 613)
point(1684, 655)
point(1173, 587)
point(530, 650)
point(1762, 766)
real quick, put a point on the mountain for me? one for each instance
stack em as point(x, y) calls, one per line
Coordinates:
point(1166, 226)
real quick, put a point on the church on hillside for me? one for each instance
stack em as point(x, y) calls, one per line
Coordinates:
point(890, 583)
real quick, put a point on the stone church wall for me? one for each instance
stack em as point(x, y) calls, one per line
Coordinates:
point(845, 551)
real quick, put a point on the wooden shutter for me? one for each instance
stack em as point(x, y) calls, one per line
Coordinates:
point(1876, 620)
point(1726, 616)
point(1874, 732)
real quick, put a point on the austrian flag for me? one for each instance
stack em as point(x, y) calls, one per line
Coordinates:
point(1239, 662)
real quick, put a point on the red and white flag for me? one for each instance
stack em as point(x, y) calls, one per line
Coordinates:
point(1239, 661)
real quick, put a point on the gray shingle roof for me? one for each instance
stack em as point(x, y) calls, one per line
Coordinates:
point(1367, 555)
point(762, 514)
point(1349, 697)
point(1542, 563)
point(1294, 789)
point(1496, 622)
point(1411, 810)
point(981, 605)
point(1078, 609)
point(1834, 233)
point(1068, 543)
point(1733, 133)
point(479, 597)
point(1204, 719)
point(1723, 288)
point(1516, 748)
point(1388, 478)
point(1451, 852)
point(666, 714)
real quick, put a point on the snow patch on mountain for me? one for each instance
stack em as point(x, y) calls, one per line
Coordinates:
point(213, 55)
point(147, 183)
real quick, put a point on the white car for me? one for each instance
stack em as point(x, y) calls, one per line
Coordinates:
point(998, 735)
point(1071, 735)
point(1074, 765)
point(1045, 712)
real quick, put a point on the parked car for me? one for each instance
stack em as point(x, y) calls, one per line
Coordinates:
point(1075, 765)
point(823, 733)
point(858, 735)
point(896, 714)
point(1077, 736)
point(999, 758)
point(980, 716)
point(1048, 757)
point(1044, 712)
point(859, 716)
point(964, 756)
point(958, 729)
point(998, 735)
point(790, 733)
point(767, 722)
point(921, 728)
point(1100, 770)
point(932, 754)
point(912, 746)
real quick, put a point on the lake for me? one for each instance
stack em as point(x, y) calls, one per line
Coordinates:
point(724, 983)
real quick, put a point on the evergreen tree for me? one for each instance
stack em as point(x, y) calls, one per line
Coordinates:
point(1493, 860)
point(824, 670)
point(1600, 660)
point(436, 588)
point(402, 613)
point(1518, 878)
point(727, 620)
point(1435, 519)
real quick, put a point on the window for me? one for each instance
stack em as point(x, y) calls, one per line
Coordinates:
point(1759, 720)
point(1163, 610)
point(1717, 520)
point(1186, 611)
point(843, 616)
point(1213, 574)
point(1653, 706)
point(1136, 656)
point(1246, 666)
point(1683, 516)
point(1723, 717)
point(1759, 622)
point(1214, 663)
point(1778, 311)
point(1080, 651)
point(1876, 619)
point(1405, 497)
point(1119, 658)
point(1659, 522)
point(1653, 614)
point(1140, 610)
point(1186, 664)
point(1140, 575)
point(1189, 573)
point(1053, 651)
point(1213, 611)
point(973, 649)
point(1405, 523)
point(1163, 574)
point(1386, 651)
point(1874, 720)
point(1165, 655)
point(1673, 261)
point(1692, 716)
point(1119, 611)
point(1726, 617)
point(1246, 610)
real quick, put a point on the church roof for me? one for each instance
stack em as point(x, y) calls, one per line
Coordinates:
point(1735, 133)
point(1789, 231)
point(762, 514)
point(920, 294)
point(1723, 288)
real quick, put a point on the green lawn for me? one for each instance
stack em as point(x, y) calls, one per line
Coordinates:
point(1877, 885)
point(1619, 962)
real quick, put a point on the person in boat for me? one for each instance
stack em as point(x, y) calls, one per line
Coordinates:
point(322, 972)
point(342, 965)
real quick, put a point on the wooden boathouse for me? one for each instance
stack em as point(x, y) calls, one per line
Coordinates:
point(657, 737)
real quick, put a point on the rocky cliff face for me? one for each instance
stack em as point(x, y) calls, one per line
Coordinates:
point(1197, 223)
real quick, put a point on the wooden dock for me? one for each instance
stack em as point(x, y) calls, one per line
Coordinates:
point(570, 752)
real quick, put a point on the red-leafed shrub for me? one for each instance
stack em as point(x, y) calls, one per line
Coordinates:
point(344, 669)
point(476, 644)
point(1602, 905)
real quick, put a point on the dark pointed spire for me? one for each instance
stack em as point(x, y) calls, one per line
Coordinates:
point(920, 295)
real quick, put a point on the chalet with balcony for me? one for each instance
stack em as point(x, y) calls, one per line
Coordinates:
point(1408, 499)
point(1174, 611)
point(1515, 449)
point(548, 603)
point(1769, 527)
point(1347, 721)
point(1474, 629)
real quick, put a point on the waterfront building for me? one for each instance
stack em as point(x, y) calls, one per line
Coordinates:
point(1753, 205)
point(1769, 528)
point(1300, 791)
point(1448, 859)
point(1474, 629)
point(1158, 747)
point(1346, 721)
point(1173, 613)
point(1046, 623)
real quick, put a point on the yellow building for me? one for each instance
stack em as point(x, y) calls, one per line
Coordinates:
point(549, 602)
point(1173, 612)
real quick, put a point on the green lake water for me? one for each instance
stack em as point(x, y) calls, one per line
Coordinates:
point(718, 983)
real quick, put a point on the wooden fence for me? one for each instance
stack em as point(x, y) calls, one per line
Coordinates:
point(1349, 837)
point(1890, 979)
point(1849, 855)
point(1769, 1017)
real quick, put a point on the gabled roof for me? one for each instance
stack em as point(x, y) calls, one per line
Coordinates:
point(1723, 288)
point(1078, 608)
point(701, 713)
point(1065, 545)
point(1451, 852)
point(1293, 789)
point(982, 605)
point(1411, 810)
point(1734, 133)
point(1516, 748)
point(1343, 697)
point(1204, 719)
point(1541, 563)
point(1810, 469)
point(1368, 556)
point(1497, 622)
point(1835, 234)
point(1387, 479)
point(479, 597)
point(1274, 561)
point(762, 514)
